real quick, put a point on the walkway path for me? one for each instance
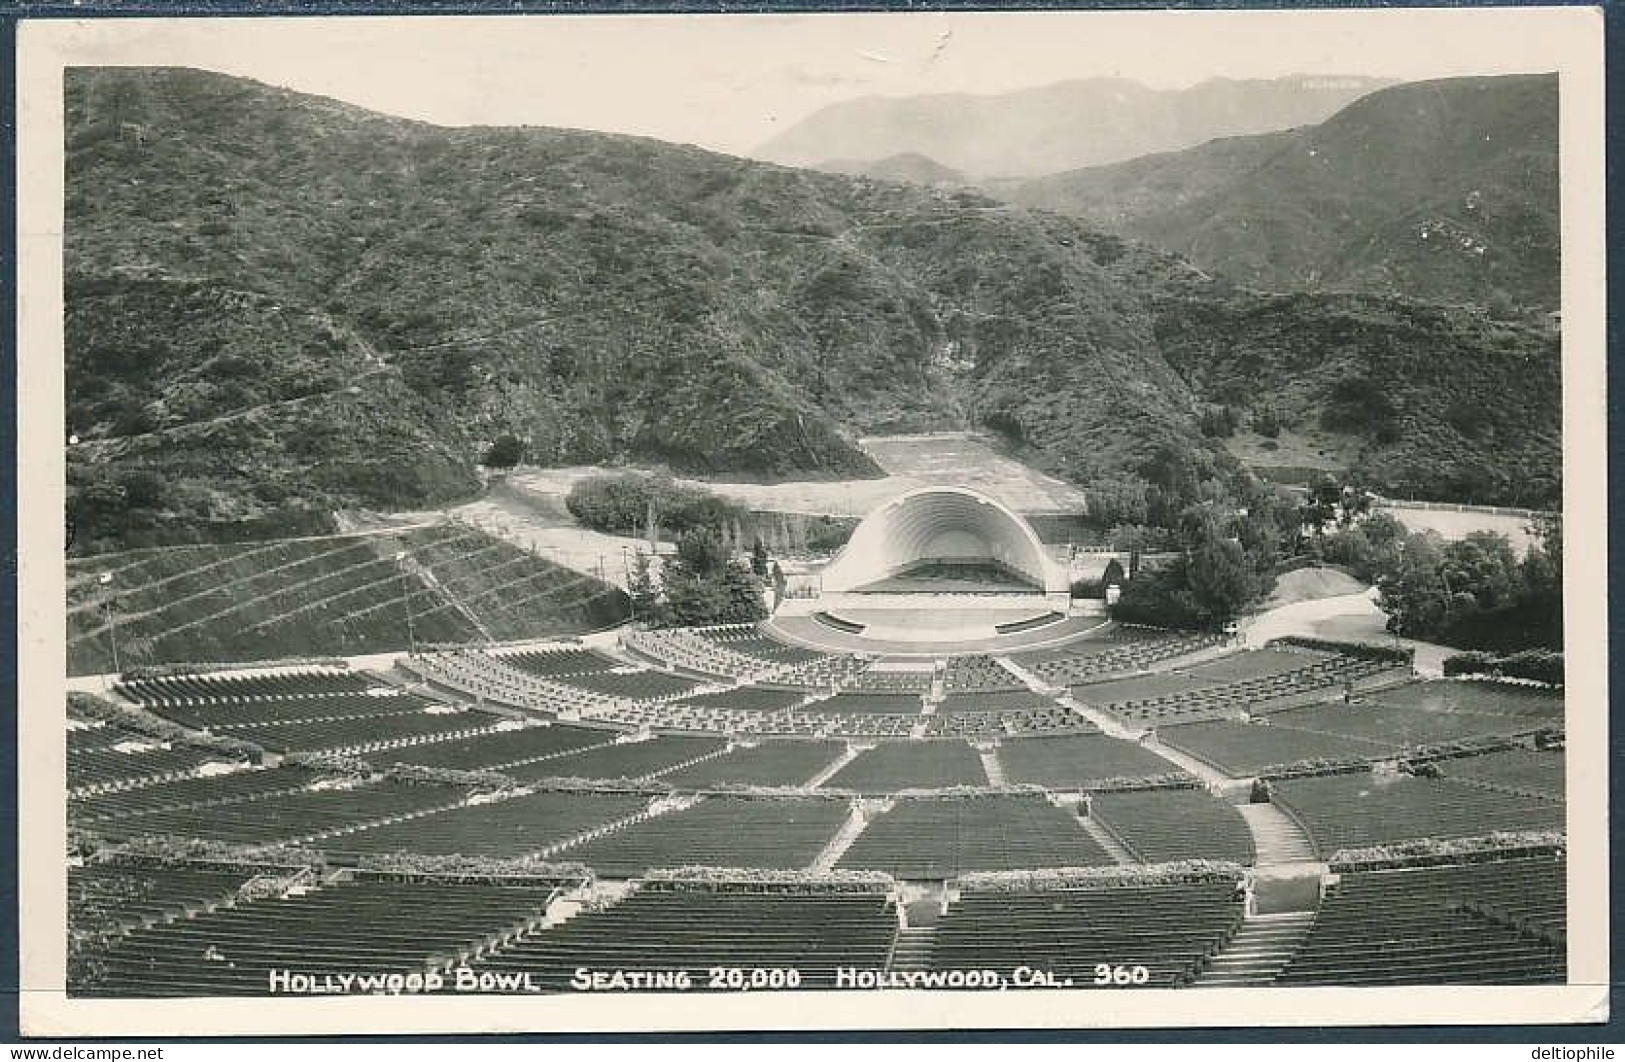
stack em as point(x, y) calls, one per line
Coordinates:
point(1348, 618)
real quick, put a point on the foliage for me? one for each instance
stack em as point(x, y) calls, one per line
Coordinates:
point(462, 869)
point(1537, 665)
point(737, 879)
point(412, 772)
point(1476, 592)
point(1190, 871)
point(705, 586)
point(1433, 852)
point(1393, 654)
point(637, 504)
point(505, 452)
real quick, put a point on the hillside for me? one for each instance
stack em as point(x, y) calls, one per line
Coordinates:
point(1089, 122)
point(907, 168)
point(279, 305)
point(1442, 190)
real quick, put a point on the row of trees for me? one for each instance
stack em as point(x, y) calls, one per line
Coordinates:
point(702, 584)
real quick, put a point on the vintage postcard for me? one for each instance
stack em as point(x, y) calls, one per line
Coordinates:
point(827, 521)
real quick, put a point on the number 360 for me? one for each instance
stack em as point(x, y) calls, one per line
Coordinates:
point(1107, 974)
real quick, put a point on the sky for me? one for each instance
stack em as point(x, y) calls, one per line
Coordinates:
point(729, 83)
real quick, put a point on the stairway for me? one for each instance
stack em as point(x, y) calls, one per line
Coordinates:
point(837, 846)
point(849, 754)
point(992, 766)
point(1276, 838)
point(913, 947)
point(1259, 951)
point(1104, 838)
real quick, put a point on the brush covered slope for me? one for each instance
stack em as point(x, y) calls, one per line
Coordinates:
point(279, 305)
point(1443, 190)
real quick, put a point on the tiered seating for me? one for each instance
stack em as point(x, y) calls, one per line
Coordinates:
point(133, 758)
point(746, 699)
point(244, 714)
point(978, 673)
point(1131, 649)
point(771, 763)
point(496, 749)
point(230, 688)
point(1400, 725)
point(632, 684)
point(288, 816)
point(1538, 773)
point(361, 733)
point(364, 927)
point(1485, 923)
point(695, 930)
point(550, 663)
point(897, 765)
point(1171, 930)
point(1478, 697)
point(501, 829)
point(930, 839)
point(1002, 701)
point(827, 671)
point(863, 726)
point(1205, 701)
point(1359, 810)
point(633, 759)
point(1074, 762)
point(481, 676)
point(746, 638)
point(1166, 825)
point(885, 681)
point(1244, 749)
point(868, 704)
point(1057, 719)
point(687, 717)
point(105, 896)
point(690, 651)
point(198, 791)
point(718, 832)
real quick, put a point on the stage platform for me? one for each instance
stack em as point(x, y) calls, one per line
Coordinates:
point(933, 637)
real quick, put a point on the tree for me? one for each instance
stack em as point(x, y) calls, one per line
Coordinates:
point(758, 558)
point(704, 585)
point(506, 452)
point(1221, 578)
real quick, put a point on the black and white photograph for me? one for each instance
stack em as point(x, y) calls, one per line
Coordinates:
point(902, 520)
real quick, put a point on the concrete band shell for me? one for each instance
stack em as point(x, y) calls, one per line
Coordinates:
point(952, 524)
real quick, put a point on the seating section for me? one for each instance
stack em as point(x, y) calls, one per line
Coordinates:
point(132, 758)
point(689, 650)
point(1129, 649)
point(197, 791)
point(480, 676)
point(364, 927)
point(551, 663)
point(1183, 696)
point(1167, 825)
point(978, 673)
point(868, 704)
point(501, 829)
point(696, 929)
point(897, 765)
point(1076, 762)
point(497, 749)
point(776, 834)
point(1245, 749)
point(931, 838)
point(1536, 773)
point(877, 680)
point(1400, 724)
point(1477, 924)
point(288, 816)
point(745, 638)
point(227, 688)
point(1480, 698)
point(1359, 810)
point(632, 684)
point(771, 763)
point(746, 699)
point(1000, 701)
point(1171, 930)
point(108, 896)
point(361, 733)
point(338, 595)
point(635, 759)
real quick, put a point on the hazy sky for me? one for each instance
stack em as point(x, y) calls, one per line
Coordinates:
point(730, 82)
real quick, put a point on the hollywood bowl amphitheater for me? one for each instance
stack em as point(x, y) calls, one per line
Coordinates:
point(935, 761)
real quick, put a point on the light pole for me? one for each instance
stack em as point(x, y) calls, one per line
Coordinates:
point(632, 599)
point(406, 601)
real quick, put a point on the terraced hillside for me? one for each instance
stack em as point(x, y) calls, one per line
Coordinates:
point(337, 595)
